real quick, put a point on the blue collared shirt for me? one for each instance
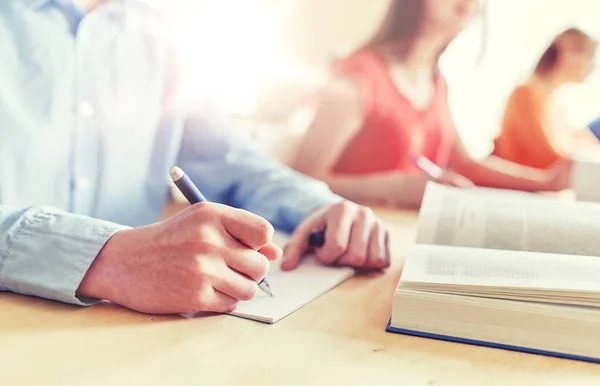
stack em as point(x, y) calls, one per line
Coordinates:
point(90, 123)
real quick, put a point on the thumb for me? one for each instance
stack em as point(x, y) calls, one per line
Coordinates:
point(298, 245)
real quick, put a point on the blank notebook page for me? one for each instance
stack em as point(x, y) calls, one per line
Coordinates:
point(291, 289)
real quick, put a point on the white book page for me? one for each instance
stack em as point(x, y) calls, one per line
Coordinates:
point(470, 218)
point(586, 176)
point(292, 289)
point(461, 266)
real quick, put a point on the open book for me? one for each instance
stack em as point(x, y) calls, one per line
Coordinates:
point(506, 271)
point(585, 180)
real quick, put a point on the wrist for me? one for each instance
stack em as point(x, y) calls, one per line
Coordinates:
point(100, 279)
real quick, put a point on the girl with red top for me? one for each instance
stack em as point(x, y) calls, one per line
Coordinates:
point(386, 105)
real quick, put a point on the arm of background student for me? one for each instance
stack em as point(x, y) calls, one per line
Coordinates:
point(496, 172)
point(46, 252)
point(336, 119)
point(499, 173)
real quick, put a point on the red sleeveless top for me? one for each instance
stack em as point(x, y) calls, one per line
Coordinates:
point(394, 132)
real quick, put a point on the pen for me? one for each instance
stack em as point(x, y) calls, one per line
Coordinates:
point(316, 239)
point(193, 196)
point(427, 166)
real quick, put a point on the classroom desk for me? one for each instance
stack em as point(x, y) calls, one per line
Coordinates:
point(339, 339)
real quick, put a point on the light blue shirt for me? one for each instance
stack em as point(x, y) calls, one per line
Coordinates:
point(90, 123)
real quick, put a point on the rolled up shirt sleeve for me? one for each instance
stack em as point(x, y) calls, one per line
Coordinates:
point(46, 252)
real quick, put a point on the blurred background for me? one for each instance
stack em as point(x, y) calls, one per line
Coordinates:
point(270, 55)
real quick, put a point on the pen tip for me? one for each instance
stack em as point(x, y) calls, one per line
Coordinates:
point(176, 173)
point(266, 287)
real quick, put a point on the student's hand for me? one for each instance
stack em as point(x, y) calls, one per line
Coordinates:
point(454, 179)
point(559, 175)
point(353, 237)
point(407, 189)
point(207, 258)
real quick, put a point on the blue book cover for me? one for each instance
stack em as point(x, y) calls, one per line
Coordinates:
point(395, 330)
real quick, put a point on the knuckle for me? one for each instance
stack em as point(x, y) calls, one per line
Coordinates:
point(347, 206)
point(263, 267)
point(201, 238)
point(230, 307)
point(200, 302)
point(247, 292)
point(356, 258)
point(365, 213)
point(202, 270)
point(265, 230)
point(202, 244)
point(200, 209)
point(369, 211)
point(335, 247)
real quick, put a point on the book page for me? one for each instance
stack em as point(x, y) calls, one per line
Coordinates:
point(468, 218)
point(586, 176)
point(461, 266)
point(292, 289)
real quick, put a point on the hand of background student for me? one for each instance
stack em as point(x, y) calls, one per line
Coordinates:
point(191, 262)
point(353, 237)
point(559, 175)
point(454, 179)
point(406, 190)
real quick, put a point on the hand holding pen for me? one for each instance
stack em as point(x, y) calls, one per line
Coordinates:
point(208, 257)
point(344, 234)
point(193, 196)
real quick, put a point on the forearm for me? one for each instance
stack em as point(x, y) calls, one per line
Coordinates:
point(404, 190)
point(46, 252)
point(496, 172)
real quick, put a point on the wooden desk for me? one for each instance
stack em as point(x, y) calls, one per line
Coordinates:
point(339, 339)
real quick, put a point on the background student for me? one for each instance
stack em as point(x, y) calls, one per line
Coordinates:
point(534, 130)
point(387, 103)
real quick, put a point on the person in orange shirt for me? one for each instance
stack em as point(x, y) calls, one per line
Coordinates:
point(386, 106)
point(534, 132)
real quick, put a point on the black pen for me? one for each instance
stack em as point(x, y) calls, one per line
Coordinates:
point(193, 196)
point(316, 239)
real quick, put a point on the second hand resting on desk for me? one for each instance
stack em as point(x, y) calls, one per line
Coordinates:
point(193, 196)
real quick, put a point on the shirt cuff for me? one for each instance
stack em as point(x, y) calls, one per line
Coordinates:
point(47, 252)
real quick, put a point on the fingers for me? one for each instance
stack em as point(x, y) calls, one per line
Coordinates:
point(358, 250)
point(353, 237)
point(250, 229)
point(235, 285)
point(218, 301)
point(456, 180)
point(298, 244)
point(249, 263)
point(337, 234)
point(271, 252)
point(369, 247)
point(379, 253)
point(462, 182)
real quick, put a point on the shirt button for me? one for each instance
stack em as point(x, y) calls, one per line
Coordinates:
point(84, 183)
point(86, 109)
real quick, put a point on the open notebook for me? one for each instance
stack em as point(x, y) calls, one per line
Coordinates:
point(291, 289)
point(503, 271)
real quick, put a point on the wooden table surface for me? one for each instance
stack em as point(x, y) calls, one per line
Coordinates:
point(338, 339)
